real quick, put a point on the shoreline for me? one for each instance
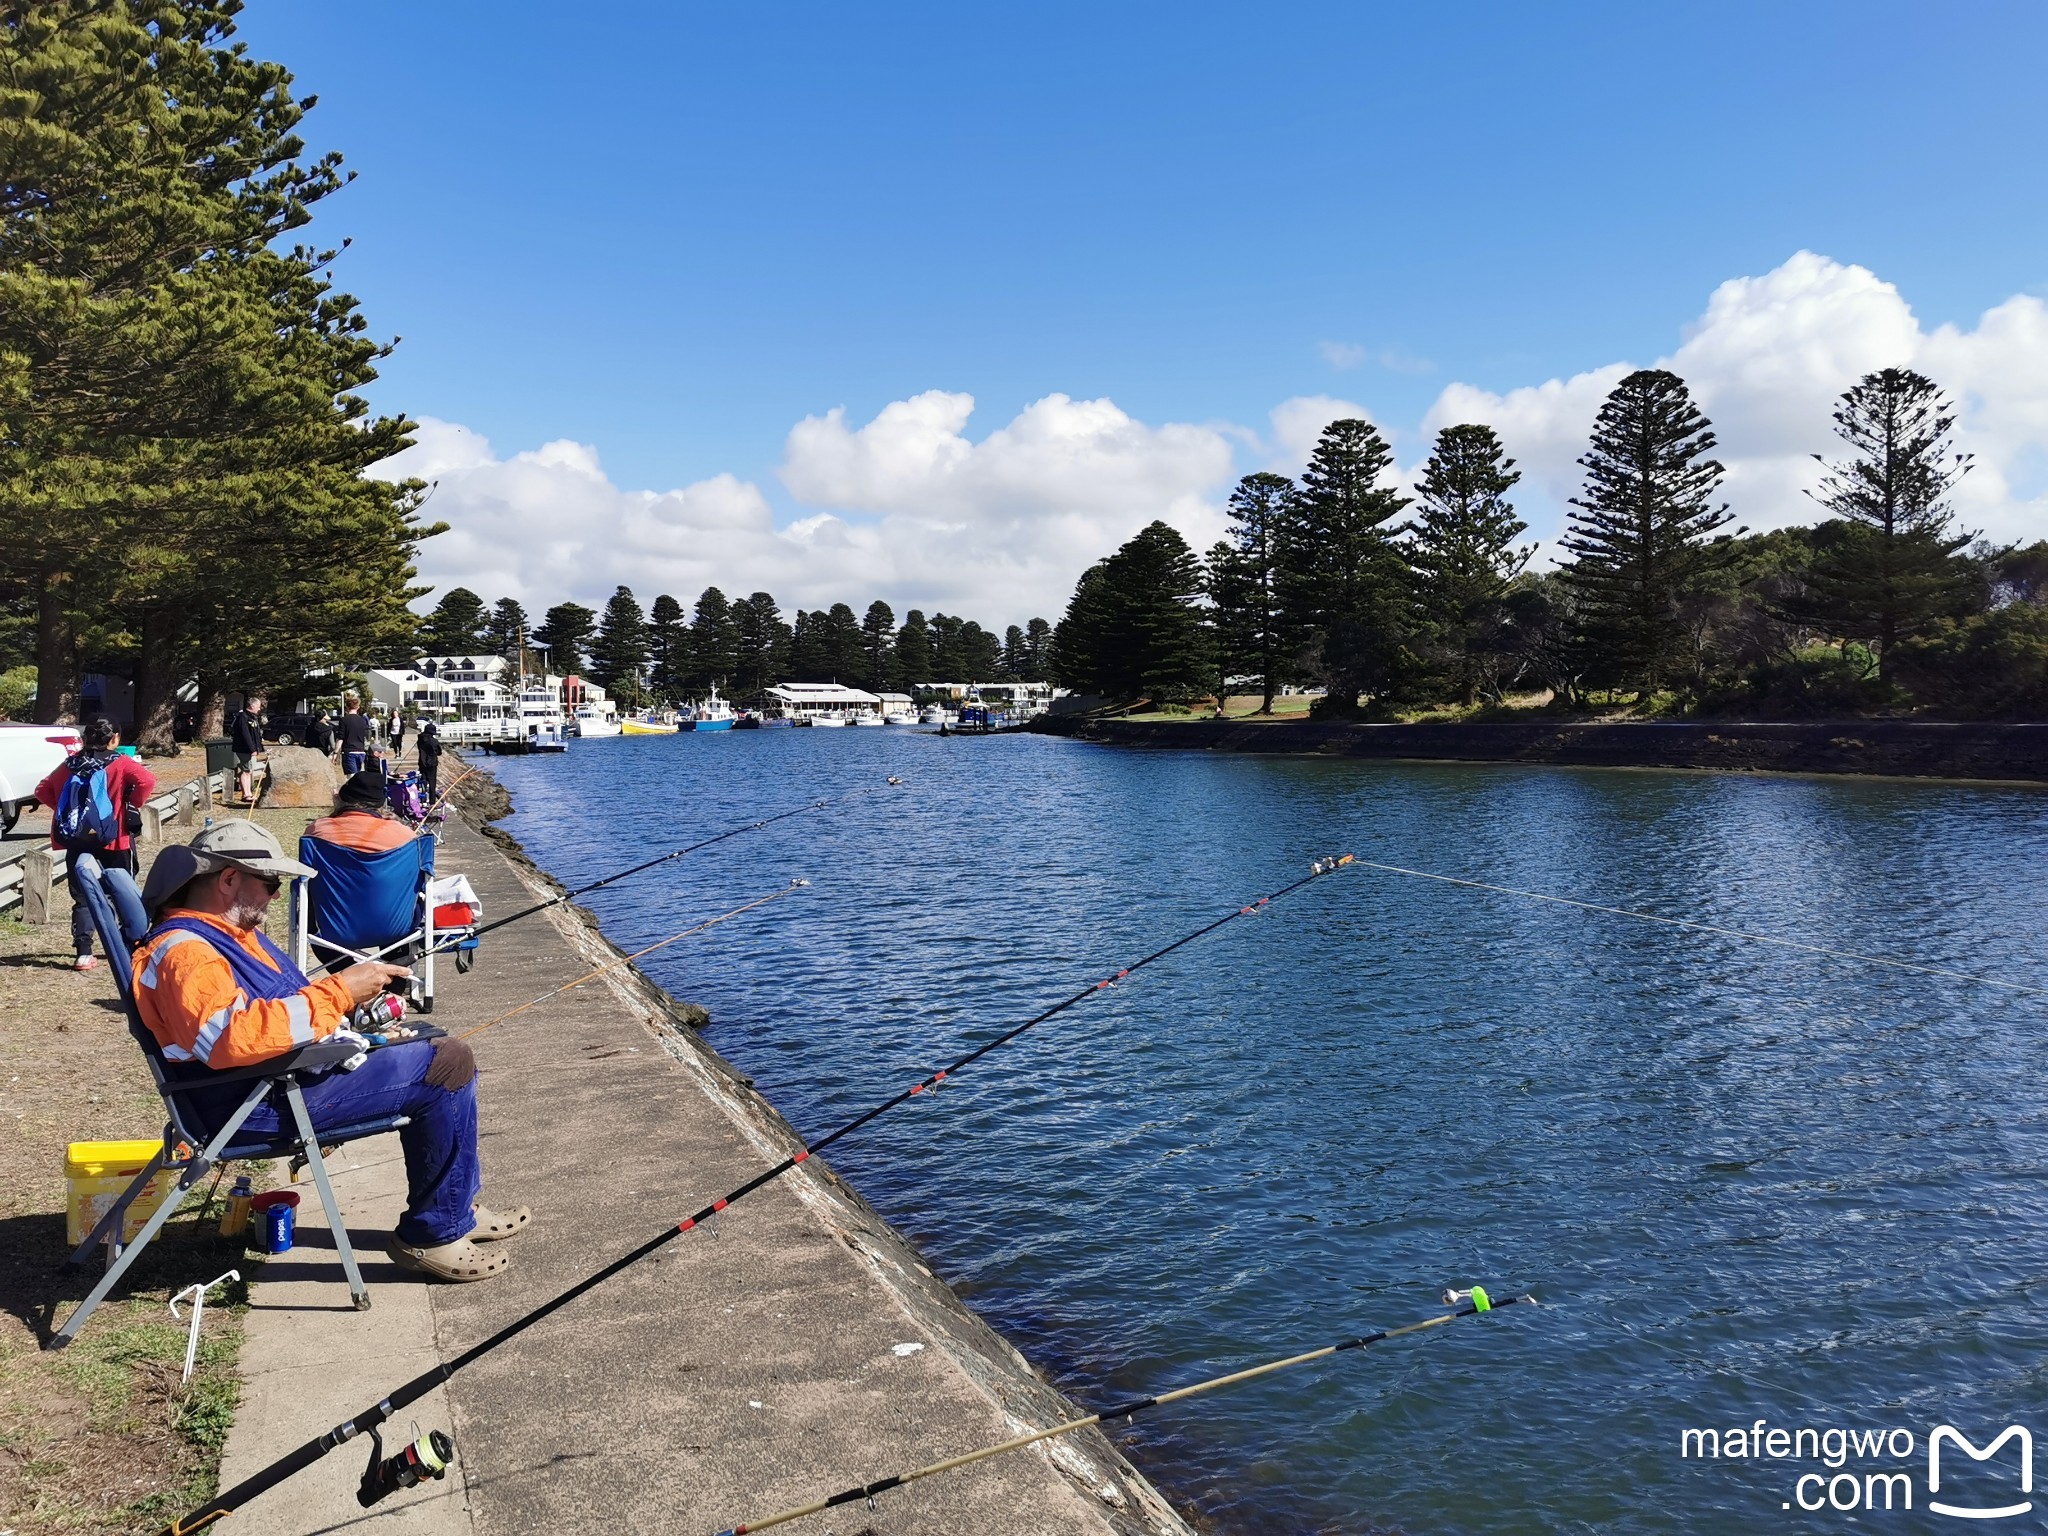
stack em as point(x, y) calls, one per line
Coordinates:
point(1088, 1461)
point(1982, 752)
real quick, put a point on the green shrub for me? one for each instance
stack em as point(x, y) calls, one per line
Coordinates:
point(17, 692)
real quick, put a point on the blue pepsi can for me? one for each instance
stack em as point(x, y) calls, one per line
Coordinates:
point(279, 1222)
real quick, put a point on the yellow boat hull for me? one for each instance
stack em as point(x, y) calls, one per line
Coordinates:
point(642, 728)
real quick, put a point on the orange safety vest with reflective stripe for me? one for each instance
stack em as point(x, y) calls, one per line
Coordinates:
point(186, 992)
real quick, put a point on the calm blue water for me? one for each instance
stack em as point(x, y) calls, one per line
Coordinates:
point(1746, 1183)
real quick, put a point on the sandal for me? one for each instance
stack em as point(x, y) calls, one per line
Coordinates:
point(460, 1261)
point(492, 1227)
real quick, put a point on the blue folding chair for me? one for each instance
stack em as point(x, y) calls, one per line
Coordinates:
point(295, 1139)
point(371, 906)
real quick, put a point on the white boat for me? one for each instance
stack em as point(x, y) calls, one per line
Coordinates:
point(933, 715)
point(870, 718)
point(899, 716)
point(714, 714)
point(594, 720)
point(829, 717)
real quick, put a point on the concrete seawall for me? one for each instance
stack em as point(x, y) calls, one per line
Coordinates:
point(1900, 748)
point(794, 1346)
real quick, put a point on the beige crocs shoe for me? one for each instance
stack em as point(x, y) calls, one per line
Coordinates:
point(460, 1261)
point(494, 1227)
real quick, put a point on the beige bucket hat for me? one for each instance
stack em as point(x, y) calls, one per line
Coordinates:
point(238, 842)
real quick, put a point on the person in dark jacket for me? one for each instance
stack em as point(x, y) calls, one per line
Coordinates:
point(355, 739)
point(245, 730)
point(430, 760)
point(320, 735)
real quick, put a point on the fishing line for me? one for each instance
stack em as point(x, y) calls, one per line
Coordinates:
point(612, 965)
point(294, 1462)
point(732, 832)
point(1733, 933)
point(1480, 1302)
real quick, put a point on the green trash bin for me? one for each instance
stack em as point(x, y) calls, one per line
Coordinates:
point(220, 755)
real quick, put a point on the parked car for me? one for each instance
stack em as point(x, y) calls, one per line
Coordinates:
point(287, 730)
point(27, 754)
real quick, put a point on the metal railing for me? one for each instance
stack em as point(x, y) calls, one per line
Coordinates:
point(32, 872)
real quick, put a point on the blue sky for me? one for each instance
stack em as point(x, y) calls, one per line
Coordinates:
point(671, 232)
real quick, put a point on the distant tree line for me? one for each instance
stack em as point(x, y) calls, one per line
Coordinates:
point(1390, 601)
point(182, 441)
point(662, 654)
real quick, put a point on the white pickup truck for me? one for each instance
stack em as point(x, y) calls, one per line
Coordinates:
point(27, 754)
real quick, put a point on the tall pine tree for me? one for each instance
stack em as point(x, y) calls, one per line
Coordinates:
point(1638, 534)
point(619, 652)
point(878, 632)
point(1244, 579)
point(455, 627)
point(1462, 548)
point(566, 631)
point(714, 643)
point(1892, 571)
point(506, 629)
point(1340, 579)
point(668, 645)
point(913, 655)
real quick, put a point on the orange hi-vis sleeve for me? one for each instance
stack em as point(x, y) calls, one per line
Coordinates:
point(187, 995)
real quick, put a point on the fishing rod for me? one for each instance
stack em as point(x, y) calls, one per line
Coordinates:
point(665, 858)
point(1733, 933)
point(612, 965)
point(294, 1462)
point(1480, 1302)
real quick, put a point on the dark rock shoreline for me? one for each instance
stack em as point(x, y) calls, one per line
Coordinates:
point(1891, 748)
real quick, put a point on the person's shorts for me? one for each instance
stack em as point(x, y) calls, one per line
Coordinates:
point(245, 762)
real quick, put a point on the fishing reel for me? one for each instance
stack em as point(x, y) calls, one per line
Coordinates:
point(423, 1457)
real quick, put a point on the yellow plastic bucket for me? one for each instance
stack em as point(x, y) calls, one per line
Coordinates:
point(95, 1173)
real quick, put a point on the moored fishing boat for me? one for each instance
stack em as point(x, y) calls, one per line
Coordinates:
point(651, 726)
point(714, 714)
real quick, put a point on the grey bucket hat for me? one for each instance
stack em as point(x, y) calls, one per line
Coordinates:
point(240, 843)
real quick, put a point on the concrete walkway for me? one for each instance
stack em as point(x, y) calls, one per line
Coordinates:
point(796, 1348)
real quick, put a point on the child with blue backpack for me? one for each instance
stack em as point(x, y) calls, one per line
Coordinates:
point(95, 798)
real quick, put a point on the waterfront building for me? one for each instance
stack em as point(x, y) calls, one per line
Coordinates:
point(831, 702)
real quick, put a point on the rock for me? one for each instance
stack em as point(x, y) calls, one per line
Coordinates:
point(300, 778)
point(690, 1015)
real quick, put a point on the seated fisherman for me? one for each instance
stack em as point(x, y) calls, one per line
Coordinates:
point(361, 820)
point(217, 995)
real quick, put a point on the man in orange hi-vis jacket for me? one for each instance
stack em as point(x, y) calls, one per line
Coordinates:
point(217, 994)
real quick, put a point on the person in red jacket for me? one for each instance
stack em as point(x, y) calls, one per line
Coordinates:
point(104, 876)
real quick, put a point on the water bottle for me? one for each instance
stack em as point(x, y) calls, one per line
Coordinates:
point(235, 1222)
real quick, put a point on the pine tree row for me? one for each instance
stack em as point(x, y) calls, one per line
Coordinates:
point(741, 647)
point(1883, 605)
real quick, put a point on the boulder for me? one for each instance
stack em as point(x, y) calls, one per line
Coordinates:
point(300, 778)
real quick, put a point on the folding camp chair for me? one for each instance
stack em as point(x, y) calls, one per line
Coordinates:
point(372, 906)
point(181, 1135)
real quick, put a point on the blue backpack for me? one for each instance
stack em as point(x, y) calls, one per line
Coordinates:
point(86, 820)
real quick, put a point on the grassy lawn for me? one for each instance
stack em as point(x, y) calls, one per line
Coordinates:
point(102, 1437)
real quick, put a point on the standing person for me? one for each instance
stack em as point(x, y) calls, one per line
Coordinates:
point(245, 730)
point(94, 831)
point(430, 760)
point(397, 734)
point(355, 739)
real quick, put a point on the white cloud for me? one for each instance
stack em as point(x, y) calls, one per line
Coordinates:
point(908, 507)
point(1298, 422)
point(915, 512)
point(1342, 354)
point(1766, 362)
